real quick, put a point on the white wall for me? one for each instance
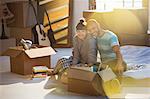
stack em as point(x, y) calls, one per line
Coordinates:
point(78, 7)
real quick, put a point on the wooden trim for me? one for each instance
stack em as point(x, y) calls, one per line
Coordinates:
point(70, 23)
point(45, 2)
point(63, 46)
point(62, 38)
point(58, 8)
point(60, 29)
point(55, 4)
point(58, 20)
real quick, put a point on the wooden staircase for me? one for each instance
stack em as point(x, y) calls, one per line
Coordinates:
point(60, 14)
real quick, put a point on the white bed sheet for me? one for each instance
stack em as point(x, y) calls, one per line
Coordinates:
point(136, 56)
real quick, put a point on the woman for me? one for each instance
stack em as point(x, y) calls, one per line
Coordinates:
point(84, 51)
point(108, 47)
point(84, 46)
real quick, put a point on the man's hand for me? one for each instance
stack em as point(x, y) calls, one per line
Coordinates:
point(119, 69)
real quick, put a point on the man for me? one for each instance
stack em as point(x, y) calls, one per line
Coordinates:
point(108, 47)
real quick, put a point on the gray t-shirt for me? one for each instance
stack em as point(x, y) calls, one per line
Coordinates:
point(85, 51)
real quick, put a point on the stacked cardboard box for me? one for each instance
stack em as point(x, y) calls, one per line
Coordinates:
point(23, 14)
point(24, 19)
point(6, 43)
point(20, 32)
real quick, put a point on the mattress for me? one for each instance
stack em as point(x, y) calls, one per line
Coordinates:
point(136, 55)
point(138, 65)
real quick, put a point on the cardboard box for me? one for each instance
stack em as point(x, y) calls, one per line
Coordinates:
point(6, 43)
point(22, 60)
point(23, 13)
point(83, 81)
point(18, 33)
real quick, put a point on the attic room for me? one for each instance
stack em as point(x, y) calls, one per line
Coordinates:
point(79, 49)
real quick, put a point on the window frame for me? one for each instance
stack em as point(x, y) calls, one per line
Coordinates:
point(133, 5)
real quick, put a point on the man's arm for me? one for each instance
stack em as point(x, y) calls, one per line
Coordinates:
point(119, 66)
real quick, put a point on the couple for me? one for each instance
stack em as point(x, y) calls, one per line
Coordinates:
point(91, 37)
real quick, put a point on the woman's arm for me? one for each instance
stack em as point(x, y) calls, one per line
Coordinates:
point(92, 52)
point(76, 54)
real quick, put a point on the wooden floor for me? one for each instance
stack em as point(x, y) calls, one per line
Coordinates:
point(14, 86)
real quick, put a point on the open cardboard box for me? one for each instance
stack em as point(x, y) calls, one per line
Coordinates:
point(22, 60)
point(83, 81)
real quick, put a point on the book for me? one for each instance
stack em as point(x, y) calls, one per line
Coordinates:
point(39, 75)
point(40, 69)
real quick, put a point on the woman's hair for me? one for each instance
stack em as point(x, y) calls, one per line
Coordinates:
point(81, 25)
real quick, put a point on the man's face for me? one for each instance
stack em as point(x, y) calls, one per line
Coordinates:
point(92, 29)
point(81, 34)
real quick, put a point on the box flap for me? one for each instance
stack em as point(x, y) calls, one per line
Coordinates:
point(40, 52)
point(12, 52)
point(107, 74)
point(82, 68)
point(82, 73)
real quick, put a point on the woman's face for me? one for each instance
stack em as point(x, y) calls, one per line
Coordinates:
point(92, 29)
point(81, 34)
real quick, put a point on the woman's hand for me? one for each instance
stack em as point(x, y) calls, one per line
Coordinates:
point(90, 64)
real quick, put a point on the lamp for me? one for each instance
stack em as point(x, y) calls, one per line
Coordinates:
point(6, 17)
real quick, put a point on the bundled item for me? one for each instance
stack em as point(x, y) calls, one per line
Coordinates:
point(62, 64)
point(27, 44)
